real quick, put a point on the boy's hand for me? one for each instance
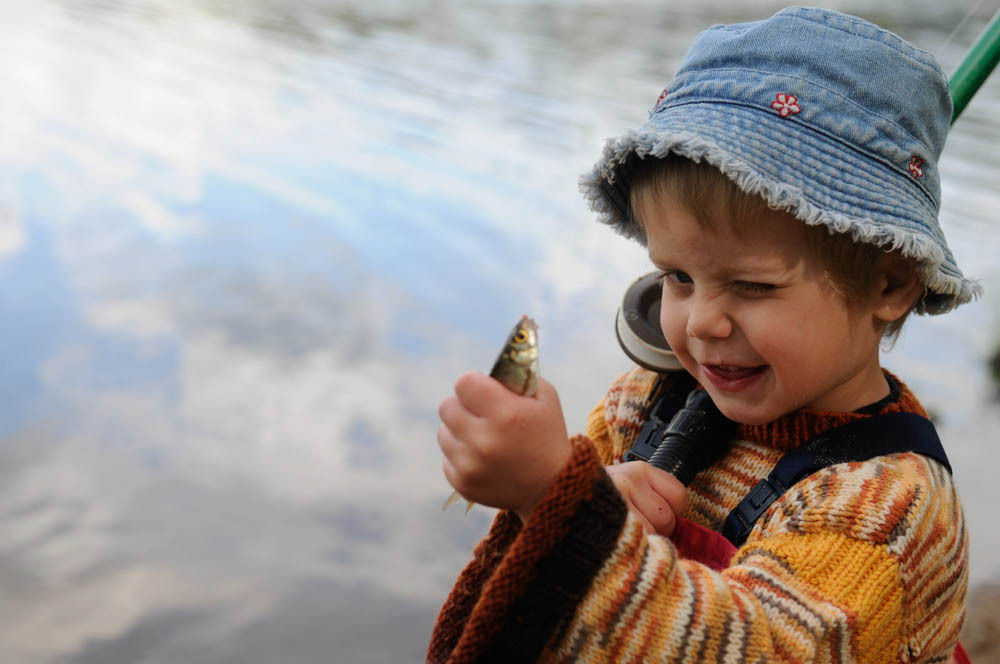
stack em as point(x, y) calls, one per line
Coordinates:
point(502, 449)
point(653, 495)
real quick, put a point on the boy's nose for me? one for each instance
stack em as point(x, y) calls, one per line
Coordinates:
point(707, 319)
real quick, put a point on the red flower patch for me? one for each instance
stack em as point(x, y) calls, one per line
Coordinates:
point(786, 104)
point(916, 167)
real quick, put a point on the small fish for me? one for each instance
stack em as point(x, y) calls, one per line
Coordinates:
point(517, 368)
point(517, 365)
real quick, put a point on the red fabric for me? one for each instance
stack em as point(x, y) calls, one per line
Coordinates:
point(959, 656)
point(705, 546)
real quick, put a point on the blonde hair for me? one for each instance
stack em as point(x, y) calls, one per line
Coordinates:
point(713, 199)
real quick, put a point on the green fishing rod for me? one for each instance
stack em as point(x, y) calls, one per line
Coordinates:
point(975, 67)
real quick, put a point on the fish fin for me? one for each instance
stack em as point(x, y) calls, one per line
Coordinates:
point(452, 499)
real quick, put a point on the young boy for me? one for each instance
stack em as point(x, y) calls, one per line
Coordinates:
point(786, 186)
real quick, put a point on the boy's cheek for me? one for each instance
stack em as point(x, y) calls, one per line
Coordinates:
point(675, 332)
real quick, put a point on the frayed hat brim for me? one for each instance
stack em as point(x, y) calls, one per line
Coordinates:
point(859, 195)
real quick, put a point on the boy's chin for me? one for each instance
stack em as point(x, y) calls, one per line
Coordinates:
point(743, 413)
point(749, 420)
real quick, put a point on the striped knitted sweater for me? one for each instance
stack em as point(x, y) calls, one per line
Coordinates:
point(859, 562)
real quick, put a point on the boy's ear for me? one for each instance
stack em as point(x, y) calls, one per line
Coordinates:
point(898, 287)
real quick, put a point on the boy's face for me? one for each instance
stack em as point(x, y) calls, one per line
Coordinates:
point(754, 318)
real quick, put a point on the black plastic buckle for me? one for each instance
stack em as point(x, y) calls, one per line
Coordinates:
point(647, 442)
point(743, 517)
point(658, 418)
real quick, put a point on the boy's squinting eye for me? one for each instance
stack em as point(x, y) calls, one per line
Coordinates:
point(675, 277)
point(680, 278)
point(752, 287)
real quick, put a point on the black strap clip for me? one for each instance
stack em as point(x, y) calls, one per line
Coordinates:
point(648, 440)
point(672, 395)
point(741, 520)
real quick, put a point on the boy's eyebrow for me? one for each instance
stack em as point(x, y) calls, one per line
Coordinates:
point(772, 266)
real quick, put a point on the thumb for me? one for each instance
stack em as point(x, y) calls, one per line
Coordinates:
point(546, 392)
point(669, 487)
point(548, 409)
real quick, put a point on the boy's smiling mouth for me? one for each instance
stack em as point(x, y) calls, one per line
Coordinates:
point(732, 377)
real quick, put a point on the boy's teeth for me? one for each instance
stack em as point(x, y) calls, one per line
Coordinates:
point(734, 370)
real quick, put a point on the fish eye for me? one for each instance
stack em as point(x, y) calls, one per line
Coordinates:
point(520, 337)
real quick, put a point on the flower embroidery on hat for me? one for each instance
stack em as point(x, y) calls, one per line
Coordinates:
point(786, 104)
point(663, 95)
point(916, 167)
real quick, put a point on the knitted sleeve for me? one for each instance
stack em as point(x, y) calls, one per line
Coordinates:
point(526, 580)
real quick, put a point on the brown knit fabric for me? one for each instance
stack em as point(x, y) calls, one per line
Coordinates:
point(507, 560)
point(464, 595)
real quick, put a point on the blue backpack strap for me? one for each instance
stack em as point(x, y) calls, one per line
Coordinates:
point(878, 435)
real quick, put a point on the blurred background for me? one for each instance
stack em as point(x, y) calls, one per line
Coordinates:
point(245, 249)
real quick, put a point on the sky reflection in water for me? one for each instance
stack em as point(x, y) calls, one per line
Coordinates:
point(244, 251)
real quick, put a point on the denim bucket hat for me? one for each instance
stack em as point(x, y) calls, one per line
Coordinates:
point(826, 116)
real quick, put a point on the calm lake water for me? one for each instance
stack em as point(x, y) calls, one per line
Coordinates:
point(245, 249)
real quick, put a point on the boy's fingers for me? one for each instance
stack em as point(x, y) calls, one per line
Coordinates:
point(460, 462)
point(669, 487)
point(479, 393)
point(647, 526)
point(447, 442)
point(655, 510)
point(450, 474)
point(635, 482)
point(455, 416)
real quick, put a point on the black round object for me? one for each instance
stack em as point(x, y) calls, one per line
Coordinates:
point(637, 326)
